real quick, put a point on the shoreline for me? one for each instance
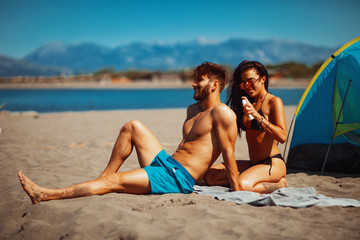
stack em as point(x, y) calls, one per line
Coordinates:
point(36, 114)
point(274, 83)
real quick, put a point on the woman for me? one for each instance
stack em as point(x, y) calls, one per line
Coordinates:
point(262, 117)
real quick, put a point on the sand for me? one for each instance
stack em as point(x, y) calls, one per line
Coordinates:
point(60, 149)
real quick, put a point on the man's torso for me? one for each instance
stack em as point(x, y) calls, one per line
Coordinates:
point(199, 148)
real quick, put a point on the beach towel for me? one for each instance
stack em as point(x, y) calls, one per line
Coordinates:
point(285, 197)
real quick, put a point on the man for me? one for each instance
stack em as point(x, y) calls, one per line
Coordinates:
point(209, 129)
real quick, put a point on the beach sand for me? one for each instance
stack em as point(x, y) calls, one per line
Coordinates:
point(60, 149)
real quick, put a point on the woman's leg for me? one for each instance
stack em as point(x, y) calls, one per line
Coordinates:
point(217, 176)
point(258, 179)
point(135, 182)
point(133, 134)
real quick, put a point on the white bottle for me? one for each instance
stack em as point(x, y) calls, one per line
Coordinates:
point(244, 104)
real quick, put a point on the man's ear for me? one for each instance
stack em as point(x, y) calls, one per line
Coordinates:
point(215, 85)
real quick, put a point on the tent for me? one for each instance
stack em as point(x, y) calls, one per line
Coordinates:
point(326, 132)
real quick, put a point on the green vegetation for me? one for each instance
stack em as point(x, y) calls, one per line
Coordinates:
point(290, 70)
point(293, 70)
point(134, 74)
point(107, 70)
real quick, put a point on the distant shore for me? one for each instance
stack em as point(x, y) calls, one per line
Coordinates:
point(274, 83)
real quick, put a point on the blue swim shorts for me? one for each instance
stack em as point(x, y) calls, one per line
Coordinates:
point(166, 175)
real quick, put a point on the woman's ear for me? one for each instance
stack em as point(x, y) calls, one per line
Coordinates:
point(263, 78)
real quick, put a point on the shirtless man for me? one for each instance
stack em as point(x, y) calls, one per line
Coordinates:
point(209, 129)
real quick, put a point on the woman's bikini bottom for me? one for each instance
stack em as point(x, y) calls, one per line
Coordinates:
point(268, 160)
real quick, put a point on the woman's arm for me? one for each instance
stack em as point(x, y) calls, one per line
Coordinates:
point(276, 124)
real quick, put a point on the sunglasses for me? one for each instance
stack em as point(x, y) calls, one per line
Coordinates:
point(248, 84)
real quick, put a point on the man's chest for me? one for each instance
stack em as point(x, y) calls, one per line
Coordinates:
point(198, 126)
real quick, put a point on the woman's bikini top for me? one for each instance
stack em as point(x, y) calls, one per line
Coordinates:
point(254, 124)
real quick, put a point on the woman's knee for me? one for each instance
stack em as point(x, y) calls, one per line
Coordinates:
point(246, 185)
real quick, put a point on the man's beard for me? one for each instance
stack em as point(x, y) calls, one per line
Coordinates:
point(202, 94)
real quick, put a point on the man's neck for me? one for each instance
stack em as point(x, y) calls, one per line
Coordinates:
point(209, 103)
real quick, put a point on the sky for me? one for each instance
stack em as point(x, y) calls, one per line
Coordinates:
point(26, 25)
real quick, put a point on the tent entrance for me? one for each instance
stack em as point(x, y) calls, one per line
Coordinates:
point(352, 137)
point(337, 122)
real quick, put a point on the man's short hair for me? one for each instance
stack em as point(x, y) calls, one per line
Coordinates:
point(213, 71)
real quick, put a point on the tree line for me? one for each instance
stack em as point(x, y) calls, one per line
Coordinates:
point(292, 70)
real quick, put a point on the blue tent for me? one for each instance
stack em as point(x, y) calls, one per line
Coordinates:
point(327, 119)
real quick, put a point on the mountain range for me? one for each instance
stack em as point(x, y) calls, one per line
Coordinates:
point(84, 58)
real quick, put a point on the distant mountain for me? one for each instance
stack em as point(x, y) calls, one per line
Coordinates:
point(10, 67)
point(81, 58)
point(89, 57)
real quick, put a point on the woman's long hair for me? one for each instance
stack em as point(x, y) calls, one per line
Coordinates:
point(234, 92)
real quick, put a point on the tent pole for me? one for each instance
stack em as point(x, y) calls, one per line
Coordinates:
point(337, 121)
point(287, 139)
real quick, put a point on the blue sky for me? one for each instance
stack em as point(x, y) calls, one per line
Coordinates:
point(27, 24)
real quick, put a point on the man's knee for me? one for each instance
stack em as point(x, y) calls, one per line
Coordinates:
point(131, 126)
point(112, 182)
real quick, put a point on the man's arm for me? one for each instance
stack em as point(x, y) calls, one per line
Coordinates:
point(226, 132)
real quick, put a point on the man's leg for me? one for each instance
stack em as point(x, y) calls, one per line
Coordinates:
point(135, 182)
point(133, 134)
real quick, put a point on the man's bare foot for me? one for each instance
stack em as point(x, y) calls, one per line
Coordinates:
point(32, 190)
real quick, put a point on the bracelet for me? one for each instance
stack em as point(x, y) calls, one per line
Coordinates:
point(267, 126)
point(260, 123)
point(261, 120)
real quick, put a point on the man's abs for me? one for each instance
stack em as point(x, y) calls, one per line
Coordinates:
point(196, 160)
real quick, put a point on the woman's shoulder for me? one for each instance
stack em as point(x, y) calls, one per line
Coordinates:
point(275, 102)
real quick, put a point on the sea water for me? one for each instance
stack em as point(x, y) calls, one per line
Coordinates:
point(62, 100)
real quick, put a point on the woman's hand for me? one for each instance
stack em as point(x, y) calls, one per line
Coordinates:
point(248, 108)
